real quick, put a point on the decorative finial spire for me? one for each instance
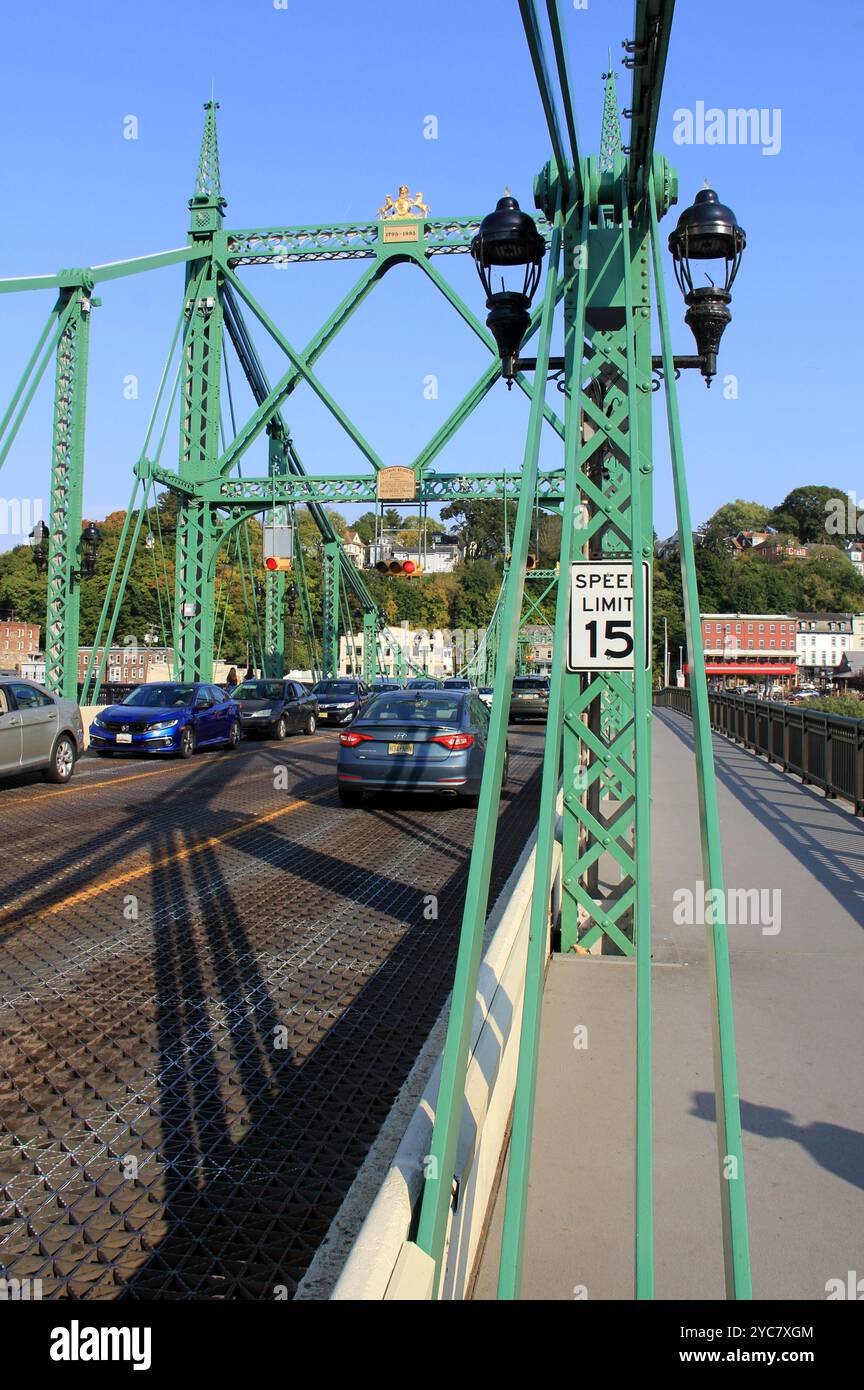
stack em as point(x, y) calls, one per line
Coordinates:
point(610, 133)
point(208, 186)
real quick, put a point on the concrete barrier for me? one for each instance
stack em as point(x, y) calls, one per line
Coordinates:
point(373, 1258)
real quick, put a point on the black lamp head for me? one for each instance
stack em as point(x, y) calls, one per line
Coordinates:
point(508, 237)
point(91, 538)
point(707, 231)
point(38, 540)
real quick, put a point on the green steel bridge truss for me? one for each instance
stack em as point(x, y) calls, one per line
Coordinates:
point(599, 216)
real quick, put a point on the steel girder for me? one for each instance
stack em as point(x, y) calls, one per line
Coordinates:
point(67, 483)
point(331, 581)
point(199, 449)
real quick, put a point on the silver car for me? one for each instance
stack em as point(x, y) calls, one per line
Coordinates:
point(38, 731)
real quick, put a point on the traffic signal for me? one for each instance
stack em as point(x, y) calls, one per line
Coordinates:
point(395, 568)
point(275, 563)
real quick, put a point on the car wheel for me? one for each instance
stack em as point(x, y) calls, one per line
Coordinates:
point(280, 728)
point(186, 746)
point(311, 725)
point(349, 796)
point(234, 735)
point(62, 763)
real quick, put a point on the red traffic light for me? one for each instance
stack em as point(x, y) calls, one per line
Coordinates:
point(271, 563)
point(396, 568)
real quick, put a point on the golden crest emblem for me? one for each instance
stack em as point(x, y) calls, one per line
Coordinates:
point(403, 204)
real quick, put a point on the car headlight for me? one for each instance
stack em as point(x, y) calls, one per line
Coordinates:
point(259, 714)
point(165, 724)
point(97, 724)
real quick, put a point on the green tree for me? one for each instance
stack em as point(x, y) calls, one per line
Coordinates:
point(808, 508)
point(733, 517)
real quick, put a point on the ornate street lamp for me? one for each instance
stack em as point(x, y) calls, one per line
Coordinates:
point(39, 543)
point(508, 237)
point(707, 231)
point(91, 539)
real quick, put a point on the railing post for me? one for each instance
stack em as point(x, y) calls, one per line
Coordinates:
point(829, 758)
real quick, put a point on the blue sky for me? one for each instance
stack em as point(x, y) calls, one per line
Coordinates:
point(322, 113)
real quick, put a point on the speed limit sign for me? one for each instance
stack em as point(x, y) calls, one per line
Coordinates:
point(602, 616)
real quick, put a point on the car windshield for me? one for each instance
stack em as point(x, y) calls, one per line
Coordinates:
point(258, 690)
point(335, 688)
point(422, 708)
point(421, 685)
point(530, 683)
point(160, 696)
point(457, 685)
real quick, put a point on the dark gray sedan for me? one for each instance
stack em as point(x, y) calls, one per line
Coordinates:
point(39, 732)
point(274, 708)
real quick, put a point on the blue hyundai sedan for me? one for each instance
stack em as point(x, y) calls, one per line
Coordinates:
point(415, 741)
point(173, 717)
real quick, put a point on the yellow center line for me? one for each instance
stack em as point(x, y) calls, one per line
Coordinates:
point(107, 781)
point(96, 889)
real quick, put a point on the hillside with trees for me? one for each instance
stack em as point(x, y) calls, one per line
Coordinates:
point(740, 582)
point(745, 582)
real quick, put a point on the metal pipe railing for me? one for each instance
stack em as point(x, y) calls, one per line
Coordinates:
point(824, 750)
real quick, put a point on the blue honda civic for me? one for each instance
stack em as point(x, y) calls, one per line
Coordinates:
point(173, 717)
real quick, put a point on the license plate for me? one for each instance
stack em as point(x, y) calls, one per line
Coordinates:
point(124, 738)
point(400, 748)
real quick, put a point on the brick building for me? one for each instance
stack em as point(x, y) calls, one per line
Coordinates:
point(751, 646)
point(128, 664)
point(18, 640)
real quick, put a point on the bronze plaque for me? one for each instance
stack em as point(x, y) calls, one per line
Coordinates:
point(396, 485)
point(400, 231)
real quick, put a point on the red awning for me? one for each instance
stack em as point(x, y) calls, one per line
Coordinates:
point(761, 668)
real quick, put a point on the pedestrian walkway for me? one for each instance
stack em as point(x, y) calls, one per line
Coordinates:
point(800, 1031)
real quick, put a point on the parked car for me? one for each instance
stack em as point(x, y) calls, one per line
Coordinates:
point(273, 708)
point(415, 741)
point(485, 693)
point(530, 698)
point(39, 731)
point(168, 717)
point(340, 699)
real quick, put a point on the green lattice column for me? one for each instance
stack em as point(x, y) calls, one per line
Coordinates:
point(274, 583)
point(67, 483)
point(370, 647)
point(200, 419)
point(599, 759)
point(330, 617)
